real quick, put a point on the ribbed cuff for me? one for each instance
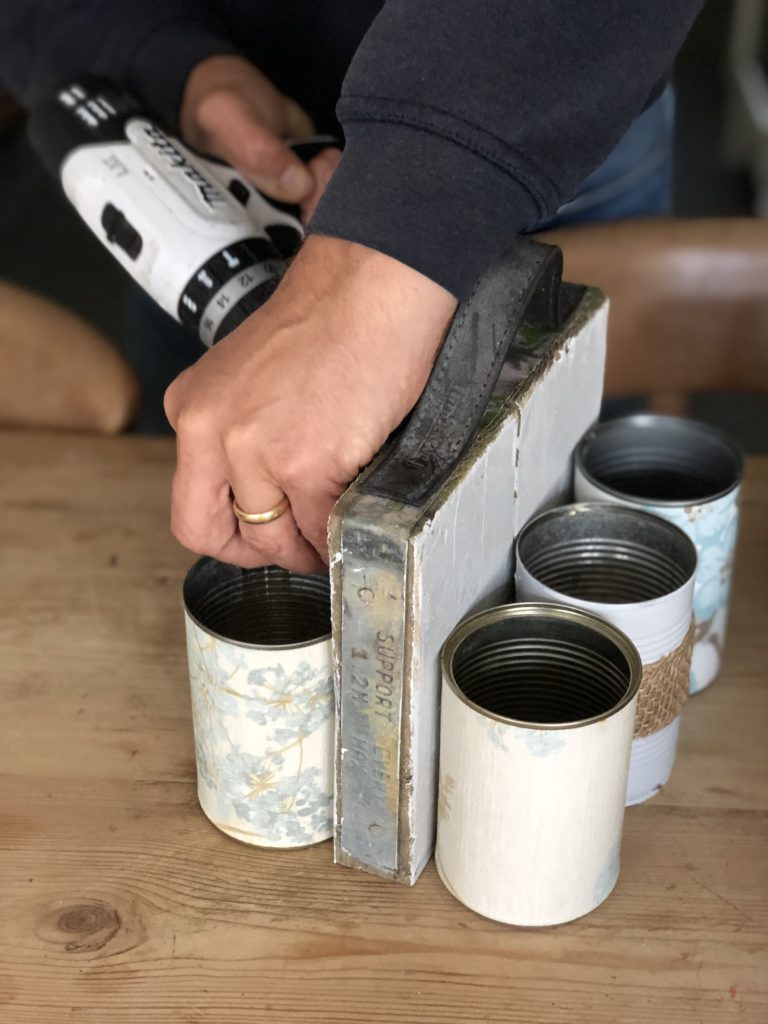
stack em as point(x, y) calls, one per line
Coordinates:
point(428, 202)
point(159, 68)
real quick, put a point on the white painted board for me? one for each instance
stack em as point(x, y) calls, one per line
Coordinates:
point(403, 577)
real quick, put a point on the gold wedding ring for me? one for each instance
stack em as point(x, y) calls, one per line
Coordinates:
point(254, 518)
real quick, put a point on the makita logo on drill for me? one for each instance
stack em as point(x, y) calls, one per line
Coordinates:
point(160, 142)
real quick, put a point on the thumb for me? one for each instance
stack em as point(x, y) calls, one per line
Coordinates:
point(232, 130)
point(322, 167)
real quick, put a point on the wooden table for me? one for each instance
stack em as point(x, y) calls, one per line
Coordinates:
point(120, 903)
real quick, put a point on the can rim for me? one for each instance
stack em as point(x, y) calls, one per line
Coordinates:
point(627, 510)
point(646, 419)
point(255, 647)
point(529, 609)
point(189, 578)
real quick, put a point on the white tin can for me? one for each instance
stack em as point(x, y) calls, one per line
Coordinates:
point(259, 649)
point(538, 705)
point(686, 472)
point(636, 571)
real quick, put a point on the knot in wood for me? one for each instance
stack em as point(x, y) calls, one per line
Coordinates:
point(80, 926)
point(87, 918)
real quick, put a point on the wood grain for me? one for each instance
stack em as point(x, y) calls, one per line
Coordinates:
point(689, 306)
point(120, 903)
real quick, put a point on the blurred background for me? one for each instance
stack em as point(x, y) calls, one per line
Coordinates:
point(721, 169)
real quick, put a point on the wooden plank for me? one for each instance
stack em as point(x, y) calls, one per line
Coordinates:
point(120, 903)
point(404, 576)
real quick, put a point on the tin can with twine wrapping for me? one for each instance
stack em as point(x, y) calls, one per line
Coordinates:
point(637, 572)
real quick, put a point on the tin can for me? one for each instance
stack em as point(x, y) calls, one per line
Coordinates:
point(538, 704)
point(636, 571)
point(686, 472)
point(259, 647)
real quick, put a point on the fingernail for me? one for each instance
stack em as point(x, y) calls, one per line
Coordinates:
point(296, 181)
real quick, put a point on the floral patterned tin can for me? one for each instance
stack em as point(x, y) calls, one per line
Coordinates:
point(686, 472)
point(259, 648)
point(635, 570)
point(538, 706)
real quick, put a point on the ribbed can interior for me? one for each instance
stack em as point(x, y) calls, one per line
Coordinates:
point(539, 671)
point(606, 553)
point(661, 459)
point(267, 607)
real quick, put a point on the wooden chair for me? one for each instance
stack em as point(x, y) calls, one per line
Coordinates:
point(689, 303)
point(58, 372)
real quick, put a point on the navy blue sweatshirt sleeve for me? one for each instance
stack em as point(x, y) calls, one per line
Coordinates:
point(148, 46)
point(467, 123)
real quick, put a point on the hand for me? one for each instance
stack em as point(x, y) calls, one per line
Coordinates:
point(298, 399)
point(230, 110)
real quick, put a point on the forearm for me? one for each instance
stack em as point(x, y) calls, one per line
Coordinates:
point(148, 47)
point(465, 126)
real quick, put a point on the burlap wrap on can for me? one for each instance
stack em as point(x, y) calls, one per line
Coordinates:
point(664, 688)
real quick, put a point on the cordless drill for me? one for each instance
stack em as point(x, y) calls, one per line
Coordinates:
point(197, 236)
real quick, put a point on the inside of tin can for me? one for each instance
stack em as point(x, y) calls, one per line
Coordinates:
point(267, 607)
point(541, 670)
point(662, 459)
point(606, 553)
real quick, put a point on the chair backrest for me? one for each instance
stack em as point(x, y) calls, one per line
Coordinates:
point(689, 303)
point(58, 372)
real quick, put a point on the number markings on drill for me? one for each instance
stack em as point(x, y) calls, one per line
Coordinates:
point(232, 292)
